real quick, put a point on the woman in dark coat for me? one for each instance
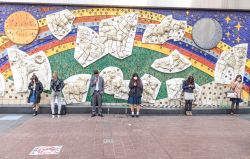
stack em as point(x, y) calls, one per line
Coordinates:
point(36, 88)
point(188, 87)
point(135, 94)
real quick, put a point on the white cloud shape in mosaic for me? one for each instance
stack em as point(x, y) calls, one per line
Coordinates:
point(174, 88)
point(112, 76)
point(151, 87)
point(60, 23)
point(175, 62)
point(169, 28)
point(230, 64)
point(76, 88)
point(2, 85)
point(24, 66)
point(118, 33)
point(88, 48)
point(116, 37)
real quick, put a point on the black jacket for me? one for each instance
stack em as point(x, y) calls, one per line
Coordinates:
point(38, 90)
point(135, 90)
point(56, 85)
point(187, 88)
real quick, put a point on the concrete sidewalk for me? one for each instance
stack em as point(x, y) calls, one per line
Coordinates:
point(123, 137)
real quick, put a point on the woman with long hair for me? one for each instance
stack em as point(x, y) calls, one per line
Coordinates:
point(135, 94)
point(236, 86)
point(188, 87)
point(36, 88)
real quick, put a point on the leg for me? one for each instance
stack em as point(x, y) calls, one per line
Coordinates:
point(138, 110)
point(94, 103)
point(132, 109)
point(191, 105)
point(186, 105)
point(52, 103)
point(59, 104)
point(237, 107)
point(138, 107)
point(99, 103)
point(232, 107)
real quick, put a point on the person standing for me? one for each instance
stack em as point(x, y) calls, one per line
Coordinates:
point(36, 88)
point(135, 94)
point(188, 87)
point(56, 86)
point(96, 92)
point(236, 86)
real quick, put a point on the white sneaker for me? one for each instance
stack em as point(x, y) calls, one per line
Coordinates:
point(58, 116)
point(53, 116)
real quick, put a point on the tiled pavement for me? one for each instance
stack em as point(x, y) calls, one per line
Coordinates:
point(123, 137)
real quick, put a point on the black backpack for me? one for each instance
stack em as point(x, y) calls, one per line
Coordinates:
point(63, 109)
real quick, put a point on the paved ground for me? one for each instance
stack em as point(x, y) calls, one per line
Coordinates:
point(122, 137)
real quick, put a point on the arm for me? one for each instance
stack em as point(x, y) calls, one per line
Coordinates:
point(62, 85)
point(233, 85)
point(193, 87)
point(102, 85)
point(40, 88)
point(51, 84)
point(131, 85)
point(184, 85)
point(30, 87)
point(92, 81)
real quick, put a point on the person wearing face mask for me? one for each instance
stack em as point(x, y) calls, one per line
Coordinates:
point(236, 86)
point(188, 87)
point(36, 88)
point(135, 94)
point(96, 92)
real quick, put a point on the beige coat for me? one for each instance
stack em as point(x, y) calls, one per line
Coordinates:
point(237, 88)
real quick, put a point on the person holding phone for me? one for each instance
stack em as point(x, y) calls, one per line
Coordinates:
point(135, 94)
point(96, 92)
point(36, 89)
point(188, 87)
point(236, 86)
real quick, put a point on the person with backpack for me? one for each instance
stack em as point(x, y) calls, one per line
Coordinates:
point(56, 86)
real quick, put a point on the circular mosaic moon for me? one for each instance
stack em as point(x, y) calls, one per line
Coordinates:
point(21, 27)
point(207, 33)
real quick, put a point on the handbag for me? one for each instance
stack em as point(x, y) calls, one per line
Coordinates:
point(231, 94)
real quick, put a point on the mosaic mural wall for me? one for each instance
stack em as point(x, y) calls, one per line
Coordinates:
point(163, 46)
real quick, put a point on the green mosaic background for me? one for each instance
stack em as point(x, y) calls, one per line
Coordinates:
point(140, 62)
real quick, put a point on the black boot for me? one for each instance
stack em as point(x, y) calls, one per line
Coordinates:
point(35, 113)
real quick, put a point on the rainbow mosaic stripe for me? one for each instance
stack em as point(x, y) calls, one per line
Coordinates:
point(201, 59)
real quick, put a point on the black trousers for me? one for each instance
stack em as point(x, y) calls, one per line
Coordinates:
point(237, 107)
point(188, 105)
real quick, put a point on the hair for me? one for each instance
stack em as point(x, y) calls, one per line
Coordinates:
point(96, 72)
point(34, 77)
point(190, 80)
point(138, 79)
point(238, 77)
point(55, 74)
point(135, 75)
